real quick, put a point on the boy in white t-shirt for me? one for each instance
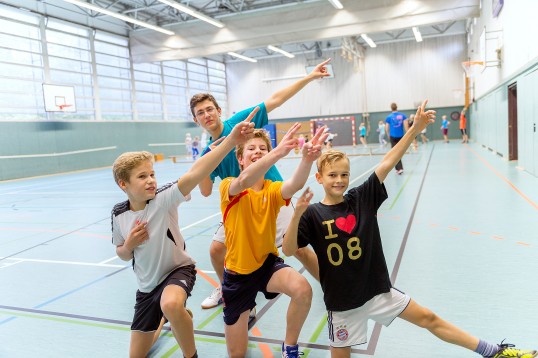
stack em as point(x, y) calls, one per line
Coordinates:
point(145, 230)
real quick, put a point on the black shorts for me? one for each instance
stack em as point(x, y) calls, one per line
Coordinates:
point(239, 291)
point(463, 131)
point(148, 313)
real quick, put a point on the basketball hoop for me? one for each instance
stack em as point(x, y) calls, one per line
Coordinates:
point(64, 106)
point(472, 68)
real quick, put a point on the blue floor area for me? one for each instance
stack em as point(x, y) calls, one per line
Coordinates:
point(459, 229)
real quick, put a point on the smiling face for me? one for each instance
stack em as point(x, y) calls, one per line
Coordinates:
point(141, 185)
point(252, 150)
point(333, 174)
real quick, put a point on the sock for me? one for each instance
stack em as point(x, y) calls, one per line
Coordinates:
point(195, 355)
point(486, 349)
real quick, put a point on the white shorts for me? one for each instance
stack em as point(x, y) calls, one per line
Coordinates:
point(349, 328)
point(282, 221)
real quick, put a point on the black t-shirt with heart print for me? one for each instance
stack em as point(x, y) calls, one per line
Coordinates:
point(347, 241)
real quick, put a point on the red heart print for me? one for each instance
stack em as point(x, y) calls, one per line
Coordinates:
point(346, 224)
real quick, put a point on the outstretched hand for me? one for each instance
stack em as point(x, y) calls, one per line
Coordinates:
point(424, 118)
point(303, 201)
point(243, 130)
point(312, 150)
point(320, 70)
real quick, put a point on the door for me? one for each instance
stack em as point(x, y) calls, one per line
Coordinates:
point(512, 121)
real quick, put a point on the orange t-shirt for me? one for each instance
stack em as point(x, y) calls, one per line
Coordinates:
point(463, 121)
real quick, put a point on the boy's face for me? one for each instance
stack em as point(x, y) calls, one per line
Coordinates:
point(335, 178)
point(254, 149)
point(142, 184)
point(207, 115)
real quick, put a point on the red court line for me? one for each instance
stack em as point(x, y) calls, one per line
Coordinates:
point(207, 278)
point(266, 350)
point(503, 178)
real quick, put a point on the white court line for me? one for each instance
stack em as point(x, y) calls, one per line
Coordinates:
point(56, 154)
point(185, 228)
point(19, 260)
point(363, 174)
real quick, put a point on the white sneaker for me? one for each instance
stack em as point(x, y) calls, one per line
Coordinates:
point(214, 299)
point(252, 315)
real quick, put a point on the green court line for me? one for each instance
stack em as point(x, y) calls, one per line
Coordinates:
point(314, 337)
point(405, 183)
point(209, 319)
point(66, 320)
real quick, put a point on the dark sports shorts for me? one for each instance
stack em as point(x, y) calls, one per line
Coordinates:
point(148, 314)
point(445, 131)
point(239, 291)
point(463, 131)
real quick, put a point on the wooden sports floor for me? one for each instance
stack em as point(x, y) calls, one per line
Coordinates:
point(459, 229)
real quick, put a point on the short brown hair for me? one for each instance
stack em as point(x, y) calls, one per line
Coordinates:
point(126, 162)
point(330, 157)
point(200, 97)
point(258, 133)
point(393, 106)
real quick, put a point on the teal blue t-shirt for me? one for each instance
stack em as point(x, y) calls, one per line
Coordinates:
point(229, 167)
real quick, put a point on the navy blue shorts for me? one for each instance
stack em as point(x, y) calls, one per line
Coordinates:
point(239, 291)
point(148, 314)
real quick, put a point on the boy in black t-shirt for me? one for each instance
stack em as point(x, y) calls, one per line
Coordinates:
point(344, 233)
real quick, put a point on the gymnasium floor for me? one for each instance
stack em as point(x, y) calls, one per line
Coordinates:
point(459, 230)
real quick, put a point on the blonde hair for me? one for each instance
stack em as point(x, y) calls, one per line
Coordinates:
point(329, 158)
point(258, 133)
point(125, 163)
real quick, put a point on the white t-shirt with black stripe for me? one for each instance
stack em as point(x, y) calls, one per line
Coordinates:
point(165, 250)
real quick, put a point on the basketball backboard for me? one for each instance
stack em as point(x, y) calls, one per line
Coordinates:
point(59, 98)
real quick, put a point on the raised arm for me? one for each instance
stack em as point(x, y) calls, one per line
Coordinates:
point(206, 185)
point(279, 97)
point(207, 163)
point(290, 245)
point(254, 172)
point(422, 119)
point(311, 151)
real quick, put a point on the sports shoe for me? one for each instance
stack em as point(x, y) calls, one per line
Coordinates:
point(507, 350)
point(399, 171)
point(252, 313)
point(214, 299)
point(292, 351)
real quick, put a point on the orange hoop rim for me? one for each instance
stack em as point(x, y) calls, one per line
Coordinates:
point(471, 63)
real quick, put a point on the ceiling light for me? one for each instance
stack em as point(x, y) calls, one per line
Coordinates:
point(119, 16)
point(242, 57)
point(337, 4)
point(368, 40)
point(276, 49)
point(193, 13)
point(417, 34)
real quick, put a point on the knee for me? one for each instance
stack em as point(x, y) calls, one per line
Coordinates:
point(428, 319)
point(303, 292)
point(171, 307)
point(217, 249)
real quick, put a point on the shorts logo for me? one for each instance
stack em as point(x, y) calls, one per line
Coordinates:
point(342, 334)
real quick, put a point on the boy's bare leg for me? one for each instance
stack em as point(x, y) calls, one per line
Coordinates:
point(141, 343)
point(173, 307)
point(344, 352)
point(293, 284)
point(237, 336)
point(423, 317)
point(217, 252)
